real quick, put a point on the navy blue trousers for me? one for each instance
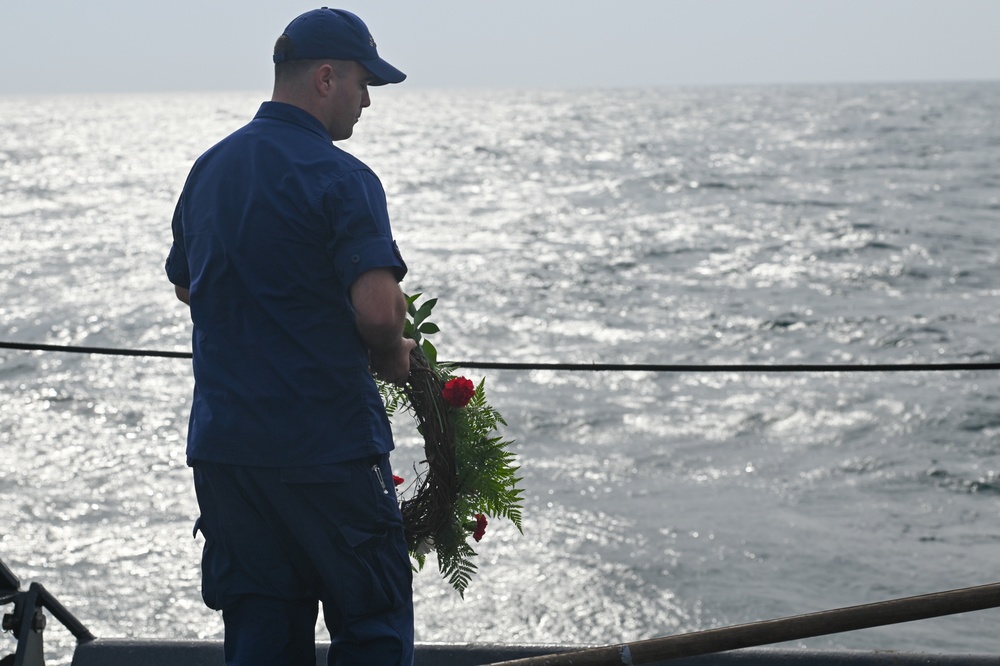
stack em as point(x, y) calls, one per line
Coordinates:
point(280, 541)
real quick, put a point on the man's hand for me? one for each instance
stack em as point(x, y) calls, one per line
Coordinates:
point(395, 369)
point(380, 309)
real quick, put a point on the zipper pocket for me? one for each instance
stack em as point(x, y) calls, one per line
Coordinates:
point(381, 481)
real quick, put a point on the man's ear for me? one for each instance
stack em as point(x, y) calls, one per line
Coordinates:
point(324, 79)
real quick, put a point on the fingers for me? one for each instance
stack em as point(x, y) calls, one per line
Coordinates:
point(404, 370)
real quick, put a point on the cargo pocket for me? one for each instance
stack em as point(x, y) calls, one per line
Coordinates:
point(380, 574)
point(378, 578)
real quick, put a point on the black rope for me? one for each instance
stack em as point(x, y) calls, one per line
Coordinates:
point(31, 346)
point(731, 367)
point(594, 367)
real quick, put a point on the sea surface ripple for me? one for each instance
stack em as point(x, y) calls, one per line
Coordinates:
point(758, 225)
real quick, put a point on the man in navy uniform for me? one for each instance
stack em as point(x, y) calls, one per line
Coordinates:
point(283, 250)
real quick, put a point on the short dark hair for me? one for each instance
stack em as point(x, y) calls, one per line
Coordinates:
point(288, 69)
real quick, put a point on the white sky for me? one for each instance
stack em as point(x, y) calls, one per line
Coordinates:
point(69, 46)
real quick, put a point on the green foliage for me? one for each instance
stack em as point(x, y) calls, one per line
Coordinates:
point(393, 396)
point(487, 479)
point(486, 470)
point(417, 325)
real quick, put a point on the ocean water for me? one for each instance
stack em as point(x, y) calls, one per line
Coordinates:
point(758, 225)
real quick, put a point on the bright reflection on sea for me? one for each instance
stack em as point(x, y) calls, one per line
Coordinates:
point(840, 224)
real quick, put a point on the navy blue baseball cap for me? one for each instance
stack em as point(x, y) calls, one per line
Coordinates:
point(335, 34)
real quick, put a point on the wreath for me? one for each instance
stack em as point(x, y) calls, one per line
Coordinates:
point(469, 474)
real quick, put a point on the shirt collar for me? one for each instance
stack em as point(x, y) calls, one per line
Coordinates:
point(292, 114)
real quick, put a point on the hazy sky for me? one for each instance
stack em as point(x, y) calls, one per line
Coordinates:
point(54, 46)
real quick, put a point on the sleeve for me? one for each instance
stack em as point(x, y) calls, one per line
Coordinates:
point(355, 207)
point(178, 271)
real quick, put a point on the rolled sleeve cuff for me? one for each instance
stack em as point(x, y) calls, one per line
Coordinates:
point(368, 254)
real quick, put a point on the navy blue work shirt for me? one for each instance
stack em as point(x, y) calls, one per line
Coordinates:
point(272, 227)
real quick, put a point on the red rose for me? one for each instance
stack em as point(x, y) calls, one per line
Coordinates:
point(480, 527)
point(458, 392)
point(397, 480)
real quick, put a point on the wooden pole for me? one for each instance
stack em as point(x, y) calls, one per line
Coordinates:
point(792, 628)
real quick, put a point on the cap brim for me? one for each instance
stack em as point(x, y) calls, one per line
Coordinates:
point(382, 72)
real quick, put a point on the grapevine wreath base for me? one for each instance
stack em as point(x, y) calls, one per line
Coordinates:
point(430, 510)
